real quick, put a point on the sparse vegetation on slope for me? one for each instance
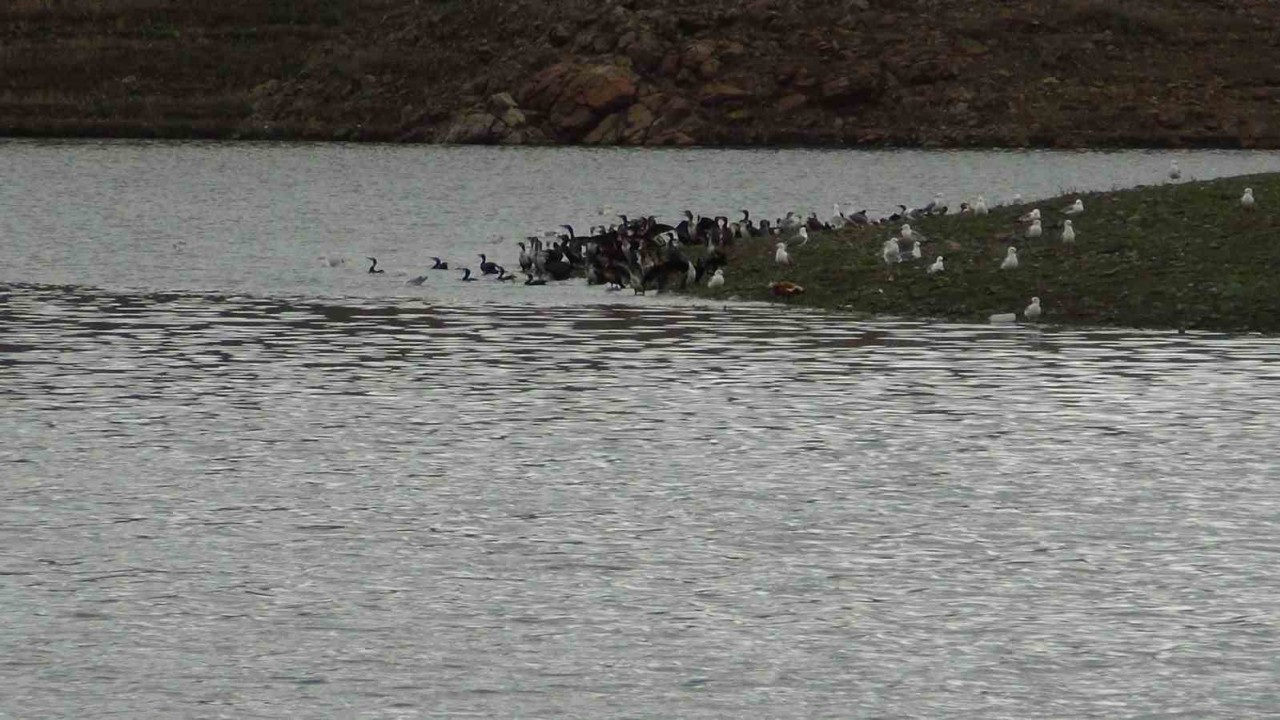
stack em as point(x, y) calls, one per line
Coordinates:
point(1171, 256)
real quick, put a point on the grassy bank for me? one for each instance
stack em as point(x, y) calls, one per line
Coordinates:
point(1184, 256)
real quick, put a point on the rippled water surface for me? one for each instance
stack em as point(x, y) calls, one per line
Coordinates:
point(238, 482)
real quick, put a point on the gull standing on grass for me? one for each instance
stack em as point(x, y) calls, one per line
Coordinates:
point(1032, 312)
point(780, 255)
point(936, 267)
point(1068, 234)
point(980, 206)
point(1075, 208)
point(891, 253)
point(1010, 259)
point(716, 280)
point(1036, 229)
point(1246, 200)
point(915, 251)
point(837, 218)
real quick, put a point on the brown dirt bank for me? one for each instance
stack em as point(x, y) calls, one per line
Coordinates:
point(649, 72)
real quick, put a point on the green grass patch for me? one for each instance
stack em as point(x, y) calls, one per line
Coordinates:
point(1183, 256)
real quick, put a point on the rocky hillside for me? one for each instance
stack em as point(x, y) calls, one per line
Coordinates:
point(649, 72)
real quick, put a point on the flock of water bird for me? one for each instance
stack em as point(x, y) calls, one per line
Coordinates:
point(644, 254)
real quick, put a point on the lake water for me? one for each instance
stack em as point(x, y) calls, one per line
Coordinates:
point(238, 482)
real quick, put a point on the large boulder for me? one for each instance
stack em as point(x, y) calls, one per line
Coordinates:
point(604, 89)
point(575, 98)
point(472, 128)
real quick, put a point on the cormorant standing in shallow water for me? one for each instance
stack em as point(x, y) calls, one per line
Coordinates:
point(487, 267)
point(373, 269)
point(439, 265)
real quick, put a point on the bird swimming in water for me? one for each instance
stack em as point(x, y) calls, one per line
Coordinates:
point(439, 264)
point(417, 281)
point(466, 275)
point(1246, 200)
point(936, 267)
point(1075, 208)
point(717, 280)
point(503, 276)
point(487, 267)
point(780, 255)
point(373, 268)
point(1036, 229)
point(1174, 172)
point(1068, 233)
point(336, 261)
point(1033, 310)
point(531, 280)
point(1010, 260)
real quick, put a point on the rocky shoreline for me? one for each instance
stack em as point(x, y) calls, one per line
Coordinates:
point(934, 73)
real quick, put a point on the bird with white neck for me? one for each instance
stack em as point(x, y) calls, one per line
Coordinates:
point(1032, 311)
point(1010, 260)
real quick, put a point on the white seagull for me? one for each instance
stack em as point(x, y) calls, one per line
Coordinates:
point(1033, 310)
point(1075, 208)
point(1246, 200)
point(803, 234)
point(915, 250)
point(891, 252)
point(1010, 260)
point(906, 232)
point(837, 219)
point(1174, 172)
point(1035, 229)
point(716, 280)
point(980, 206)
point(1068, 234)
point(781, 256)
point(1031, 216)
point(936, 267)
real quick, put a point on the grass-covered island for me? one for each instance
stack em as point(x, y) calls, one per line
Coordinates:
point(1184, 256)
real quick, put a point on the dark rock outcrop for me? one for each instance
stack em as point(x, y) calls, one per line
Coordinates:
point(663, 72)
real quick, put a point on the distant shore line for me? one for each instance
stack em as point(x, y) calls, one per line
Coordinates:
point(195, 130)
